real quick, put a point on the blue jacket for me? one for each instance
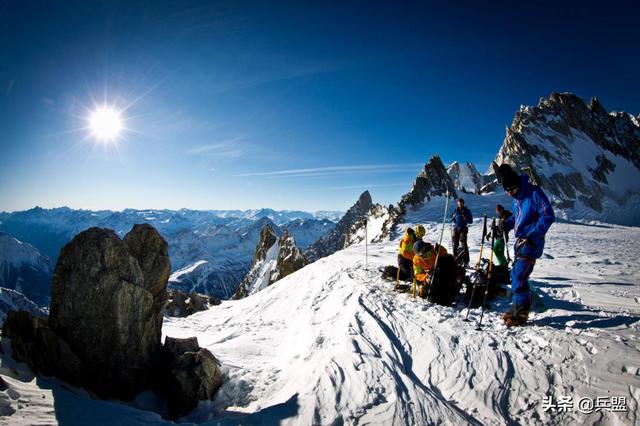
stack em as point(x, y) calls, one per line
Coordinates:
point(532, 217)
point(461, 219)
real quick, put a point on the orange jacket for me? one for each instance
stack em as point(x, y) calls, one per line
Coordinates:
point(406, 247)
point(423, 265)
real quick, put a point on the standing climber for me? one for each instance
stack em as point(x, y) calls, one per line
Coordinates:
point(461, 219)
point(533, 215)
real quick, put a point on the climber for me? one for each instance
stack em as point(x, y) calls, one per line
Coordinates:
point(460, 219)
point(533, 215)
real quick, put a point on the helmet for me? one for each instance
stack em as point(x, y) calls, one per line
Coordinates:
point(420, 231)
point(420, 247)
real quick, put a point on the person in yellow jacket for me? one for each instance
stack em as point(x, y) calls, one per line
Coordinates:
point(405, 257)
point(424, 261)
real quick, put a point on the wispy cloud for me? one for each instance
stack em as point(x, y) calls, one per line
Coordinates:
point(335, 170)
point(230, 148)
point(360, 187)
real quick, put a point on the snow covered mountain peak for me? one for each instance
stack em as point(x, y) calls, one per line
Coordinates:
point(587, 160)
point(466, 177)
point(275, 258)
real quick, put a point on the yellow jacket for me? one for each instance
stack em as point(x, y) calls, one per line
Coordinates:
point(406, 246)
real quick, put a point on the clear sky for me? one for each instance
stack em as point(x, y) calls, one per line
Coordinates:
point(288, 105)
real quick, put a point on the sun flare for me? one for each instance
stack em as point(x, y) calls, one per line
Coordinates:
point(105, 123)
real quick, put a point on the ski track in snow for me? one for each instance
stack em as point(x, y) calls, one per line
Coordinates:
point(332, 344)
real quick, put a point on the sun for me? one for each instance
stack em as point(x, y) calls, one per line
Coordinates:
point(105, 123)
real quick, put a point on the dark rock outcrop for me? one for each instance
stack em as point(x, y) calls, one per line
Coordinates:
point(114, 324)
point(104, 327)
point(193, 374)
point(338, 237)
point(181, 304)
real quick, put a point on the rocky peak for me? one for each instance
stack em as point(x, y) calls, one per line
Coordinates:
point(338, 237)
point(275, 258)
point(433, 180)
point(267, 239)
point(582, 156)
point(289, 260)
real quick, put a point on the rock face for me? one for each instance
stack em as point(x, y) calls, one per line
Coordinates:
point(432, 181)
point(337, 239)
point(274, 259)
point(586, 160)
point(120, 312)
point(194, 374)
point(104, 327)
point(289, 259)
point(182, 304)
point(466, 178)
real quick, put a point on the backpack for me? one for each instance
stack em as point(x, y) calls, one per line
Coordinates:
point(499, 276)
point(391, 273)
point(446, 281)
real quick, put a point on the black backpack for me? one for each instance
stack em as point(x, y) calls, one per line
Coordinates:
point(446, 281)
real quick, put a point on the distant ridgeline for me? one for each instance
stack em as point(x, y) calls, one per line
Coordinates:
point(586, 159)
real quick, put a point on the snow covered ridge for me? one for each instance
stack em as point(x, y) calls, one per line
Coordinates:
point(24, 269)
point(587, 160)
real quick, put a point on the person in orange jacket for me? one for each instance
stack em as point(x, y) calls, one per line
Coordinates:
point(424, 261)
point(405, 257)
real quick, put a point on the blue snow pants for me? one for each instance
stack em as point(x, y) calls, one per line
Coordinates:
point(520, 271)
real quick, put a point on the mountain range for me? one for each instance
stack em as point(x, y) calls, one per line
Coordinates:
point(586, 159)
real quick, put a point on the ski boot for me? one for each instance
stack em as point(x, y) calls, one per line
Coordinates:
point(518, 316)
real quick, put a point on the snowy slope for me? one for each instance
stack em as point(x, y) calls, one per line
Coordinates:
point(332, 344)
point(25, 269)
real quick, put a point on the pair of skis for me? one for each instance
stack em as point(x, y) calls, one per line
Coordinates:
point(475, 284)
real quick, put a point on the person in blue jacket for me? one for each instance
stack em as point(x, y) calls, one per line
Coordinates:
point(531, 219)
point(461, 219)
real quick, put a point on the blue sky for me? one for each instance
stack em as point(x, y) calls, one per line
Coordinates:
point(288, 105)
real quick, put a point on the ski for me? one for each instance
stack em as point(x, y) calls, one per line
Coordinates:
point(486, 289)
point(473, 291)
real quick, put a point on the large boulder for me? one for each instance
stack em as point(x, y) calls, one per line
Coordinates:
point(105, 323)
point(107, 301)
point(193, 374)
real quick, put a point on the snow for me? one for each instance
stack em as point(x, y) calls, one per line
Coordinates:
point(332, 344)
point(186, 270)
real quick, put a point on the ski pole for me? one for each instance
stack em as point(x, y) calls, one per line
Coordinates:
point(366, 247)
point(473, 290)
point(486, 290)
point(413, 295)
point(435, 264)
